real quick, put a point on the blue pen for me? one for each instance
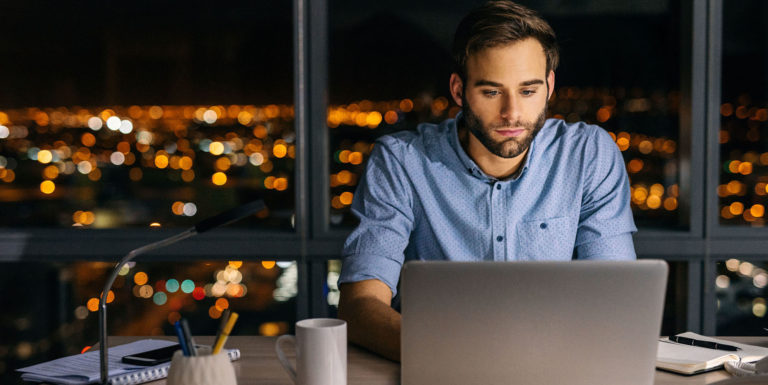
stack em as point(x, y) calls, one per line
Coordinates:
point(182, 340)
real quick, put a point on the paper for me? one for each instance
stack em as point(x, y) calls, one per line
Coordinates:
point(84, 368)
point(693, 359)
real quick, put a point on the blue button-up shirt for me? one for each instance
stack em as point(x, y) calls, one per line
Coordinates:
point(422, 197)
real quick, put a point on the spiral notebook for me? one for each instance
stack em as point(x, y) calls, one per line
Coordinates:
point(84, 368)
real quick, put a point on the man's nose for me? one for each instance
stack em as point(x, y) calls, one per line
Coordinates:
point(510, 108)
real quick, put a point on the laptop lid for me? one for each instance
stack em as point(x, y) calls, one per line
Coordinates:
point(578, 322)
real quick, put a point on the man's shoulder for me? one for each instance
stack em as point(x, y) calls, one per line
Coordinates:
point(578, 135)
point(414, 142)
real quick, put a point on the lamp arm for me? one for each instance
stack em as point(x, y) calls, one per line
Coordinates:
point(103, 362)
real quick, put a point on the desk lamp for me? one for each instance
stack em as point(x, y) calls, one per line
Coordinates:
point(222, 219)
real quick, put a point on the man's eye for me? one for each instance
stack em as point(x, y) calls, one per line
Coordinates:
point(528, 92)
point(491, 93)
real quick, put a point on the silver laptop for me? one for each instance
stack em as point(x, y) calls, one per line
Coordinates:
point(579, 322)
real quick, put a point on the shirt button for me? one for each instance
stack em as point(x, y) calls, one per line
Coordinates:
point(498, 187)
point(499, 238)
point(543, 225)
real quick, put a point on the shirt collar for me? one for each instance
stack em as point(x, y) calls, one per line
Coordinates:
point(470, 166)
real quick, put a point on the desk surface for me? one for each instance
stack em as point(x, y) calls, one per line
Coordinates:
point(259, 365)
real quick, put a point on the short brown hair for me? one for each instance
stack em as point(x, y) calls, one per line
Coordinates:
point(501, 22)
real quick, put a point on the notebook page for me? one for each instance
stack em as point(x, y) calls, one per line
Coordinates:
point(85, 367)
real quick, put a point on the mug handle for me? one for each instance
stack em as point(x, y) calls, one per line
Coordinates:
point(281, 356)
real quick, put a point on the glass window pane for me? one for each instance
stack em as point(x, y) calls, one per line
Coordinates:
point(743, 115)
point(620, 69)
point(125, 114)
point(50, 310)
point(741, 291)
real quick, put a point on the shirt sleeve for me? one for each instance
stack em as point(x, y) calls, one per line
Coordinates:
point(383, 202)
point(605, 221)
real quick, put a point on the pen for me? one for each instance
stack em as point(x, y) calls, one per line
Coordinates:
point(222, 324)
point(188, 337)
point(182, 340)
point(225, 333)
point(702, 344)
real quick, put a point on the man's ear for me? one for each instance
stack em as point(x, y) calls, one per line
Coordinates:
point(457, 88)
point(550, 84)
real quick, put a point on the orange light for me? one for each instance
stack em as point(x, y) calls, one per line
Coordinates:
point(603, 114)
point(635, 165)
point(260, 131)
point(269, 329)
point(670, 204)
point(223, 164)
point(269, 182)
point(188, 175)
point(344, 176)
point(222, 304)
point(346, 198)
point(623, 143)
point(757, 210)
point(51, 172)
point(88, 139)
point(93, 304)
point(236, 264)
point(219, 178)
point(214, 313)
point(124, 147)
point(161, 161)
point(373, 119)
point(110, 296)
point(281, 184)
point(47, 187)
point(653, 202)
point(185, 163)
point(268, 264)
point(736, 208)
point(9, 176)
point(390, 117)
point(155, 112)
point(280, 150)
point(355, 158)
point(406, 105)
point(745, 168)
point(140, 278)
point(85, 349)
point(155, 224)
point(177, 208)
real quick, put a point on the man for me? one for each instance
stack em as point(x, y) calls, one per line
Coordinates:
point(498, 183)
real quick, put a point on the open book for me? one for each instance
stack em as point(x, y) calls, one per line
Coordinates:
point(686, 359)
point(84, 368)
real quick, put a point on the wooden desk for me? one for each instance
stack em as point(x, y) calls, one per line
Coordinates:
point(259, 365)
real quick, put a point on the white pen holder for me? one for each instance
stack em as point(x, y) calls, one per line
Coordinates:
point(203, 369)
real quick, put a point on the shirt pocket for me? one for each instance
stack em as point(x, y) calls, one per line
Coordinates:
point(548, 239)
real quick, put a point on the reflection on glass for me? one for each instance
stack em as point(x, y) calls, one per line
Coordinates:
point(139, 165)
point(741, 293)
point(51, 310)
point(135, 115)
point(743, 115)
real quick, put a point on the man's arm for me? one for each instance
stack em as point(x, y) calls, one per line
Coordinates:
point(371, 321)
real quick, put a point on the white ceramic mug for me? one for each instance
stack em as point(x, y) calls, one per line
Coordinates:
point(321, 352)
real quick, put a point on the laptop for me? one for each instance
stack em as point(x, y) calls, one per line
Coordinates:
point(577, 322)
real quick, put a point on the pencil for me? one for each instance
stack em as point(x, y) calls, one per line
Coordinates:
point(225, 333)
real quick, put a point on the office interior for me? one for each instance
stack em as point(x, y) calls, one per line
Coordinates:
point(122, 123)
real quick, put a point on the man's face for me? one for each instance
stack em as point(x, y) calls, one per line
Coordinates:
point(504, 98)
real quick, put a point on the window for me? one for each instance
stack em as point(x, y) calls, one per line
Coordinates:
point(619, 68)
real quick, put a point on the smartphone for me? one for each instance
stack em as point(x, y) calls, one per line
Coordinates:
point(152, 357)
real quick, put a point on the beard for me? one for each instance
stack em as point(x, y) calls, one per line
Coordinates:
point(507, 147)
